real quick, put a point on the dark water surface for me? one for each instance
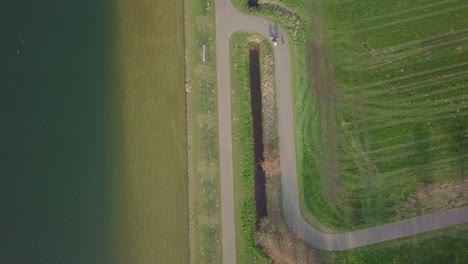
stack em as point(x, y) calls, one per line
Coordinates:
point(257, 124)
point(56, 133)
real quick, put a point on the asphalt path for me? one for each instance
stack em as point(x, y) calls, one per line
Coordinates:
point(228, 21)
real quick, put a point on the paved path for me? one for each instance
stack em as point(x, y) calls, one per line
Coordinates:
point(228, 21)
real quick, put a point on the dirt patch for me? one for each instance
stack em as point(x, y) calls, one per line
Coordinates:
point(271, 162)
point(326, 90)
point(256, 106)
point(321, 74)
point(435, 198)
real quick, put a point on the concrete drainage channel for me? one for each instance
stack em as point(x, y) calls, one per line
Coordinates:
point(256, 108)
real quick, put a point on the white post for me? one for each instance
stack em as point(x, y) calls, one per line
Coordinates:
point(204, 53)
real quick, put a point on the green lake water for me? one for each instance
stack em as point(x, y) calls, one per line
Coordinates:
point(56, 134)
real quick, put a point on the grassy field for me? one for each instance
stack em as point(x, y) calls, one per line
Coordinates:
point(205, 216)
point(412, 144)
point(395, 123)
point(152, 189)
point(243, 156)
point(386, 115)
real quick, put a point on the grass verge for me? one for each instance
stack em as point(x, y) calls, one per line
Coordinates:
point(151, 192)
point(444, 246)
point(272, 241)
point(293, 17)
point(246, 246)
point(202, 120)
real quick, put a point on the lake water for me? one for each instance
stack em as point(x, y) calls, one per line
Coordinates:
point(55, 111)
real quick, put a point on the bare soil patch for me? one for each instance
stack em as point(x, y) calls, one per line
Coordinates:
point(435, 198)
point(271, 162)
point(326, 90)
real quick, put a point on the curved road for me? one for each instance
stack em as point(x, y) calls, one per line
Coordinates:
point(228, 21)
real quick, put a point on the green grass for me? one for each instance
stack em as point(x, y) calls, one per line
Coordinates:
point(205, 219)
point(152, 190)
point(293, 17)
point(401, 112)
point(410, 94)
point(435, 247)
point(295, 21)
point(246, 249)
point(445, 246)
point(444, 139)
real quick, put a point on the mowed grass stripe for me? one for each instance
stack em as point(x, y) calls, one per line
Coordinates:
point(418, 54)
point(205, 221)
point(412, 18)
point(412, 88)
point(440, 71)
point(426, 60)
point(404, 31)
point(153, 205)
point(431, 5)
point(404, 50)
point(382, 60)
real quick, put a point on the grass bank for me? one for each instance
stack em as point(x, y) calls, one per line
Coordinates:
point(294, 18)
point(152, 186)
point(202, 120)
point(243, 153)
point(273, 238)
